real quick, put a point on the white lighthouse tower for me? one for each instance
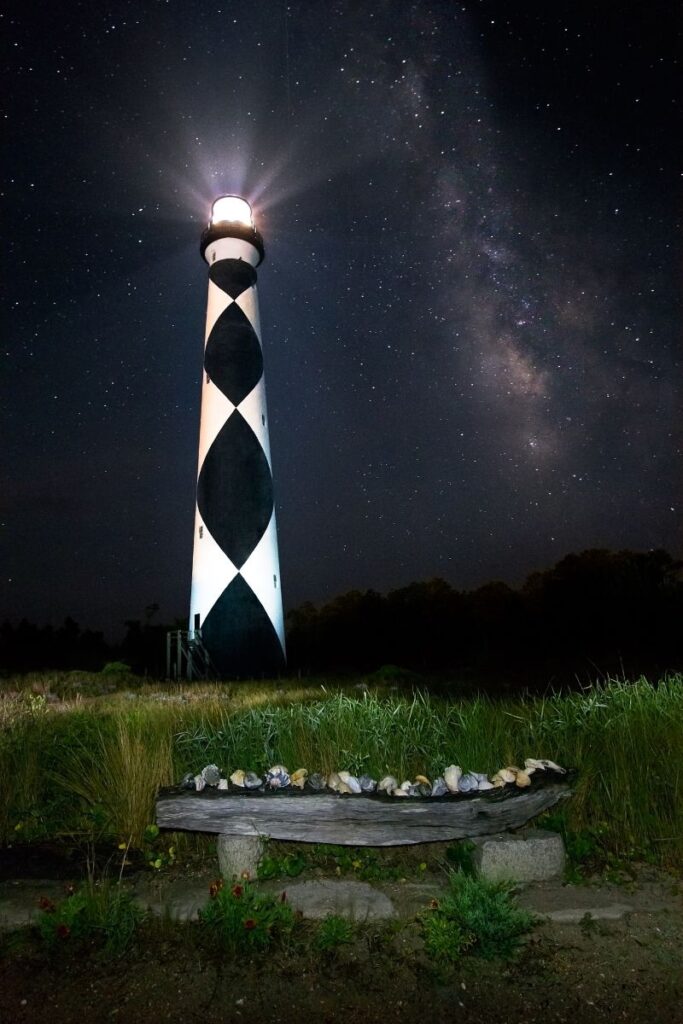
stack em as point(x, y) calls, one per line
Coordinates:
point(236, 602)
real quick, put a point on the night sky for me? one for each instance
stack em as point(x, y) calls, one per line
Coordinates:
point(470, 301)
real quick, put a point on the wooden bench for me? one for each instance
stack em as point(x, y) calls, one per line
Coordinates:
point(359, 820)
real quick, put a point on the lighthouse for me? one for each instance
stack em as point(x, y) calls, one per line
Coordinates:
point(236, 601)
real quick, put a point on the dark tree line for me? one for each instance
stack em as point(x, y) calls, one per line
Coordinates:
point(592, 613)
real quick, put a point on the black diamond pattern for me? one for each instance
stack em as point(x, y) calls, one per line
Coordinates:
point(232, 276)
point(235, 490)
point(233, 357)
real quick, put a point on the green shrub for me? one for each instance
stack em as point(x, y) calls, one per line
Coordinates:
point(332, 932)
point(474, 916)
point(239, 919)
point(101, 913)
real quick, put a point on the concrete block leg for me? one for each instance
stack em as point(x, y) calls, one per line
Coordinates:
point(532, 855)
point(239, 854)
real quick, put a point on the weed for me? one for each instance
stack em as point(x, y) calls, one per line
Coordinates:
point(332, 932)
point(474, 916)
point(239, 919)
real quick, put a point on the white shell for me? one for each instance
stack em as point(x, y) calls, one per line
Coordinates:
point(387, 785)
point(452, 775)
point(237, 778)
point(222, 783)
point(199, 783)
point(485, 784)
point(351, 781)
point(543, 763)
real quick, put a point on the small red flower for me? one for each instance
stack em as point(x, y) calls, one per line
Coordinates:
point(215, 888)
point(237, 890)
point(249, 923)
point(63, 931)
point(46, 904)
point(434, 904)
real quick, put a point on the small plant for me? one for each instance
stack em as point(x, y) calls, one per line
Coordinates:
point(158, 853)
point(290, 866)
point(359, 861)
point(101, 913)
point(241, 919)
point(333, 931)
point(474, 916)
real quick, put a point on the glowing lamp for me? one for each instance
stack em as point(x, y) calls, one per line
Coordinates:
point(232, 210)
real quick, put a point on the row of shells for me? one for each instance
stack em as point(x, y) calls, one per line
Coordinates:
point(453, 780)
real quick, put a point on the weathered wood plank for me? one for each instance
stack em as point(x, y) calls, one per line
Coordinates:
point(354, 820)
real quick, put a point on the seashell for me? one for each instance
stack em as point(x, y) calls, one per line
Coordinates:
point(399, 792)
point(439, 787)
point(452, 775)
point(485, 784)
point(317, 781)
point(252, 781)
point(211, 775)
point(423, 779)
point(522, 779)
point(480, 776)
point(277, 777)
point(508, 774)
point(542, 764)
point(367, 784)
point(334, 782)
point(350, 781)
point(423, 789)
point(199, 783)
point(187, 781)
point(298, 778)
point(222, 783)
point(387, 785)
point(406, 786)
point(237, 778)
point(468, 784)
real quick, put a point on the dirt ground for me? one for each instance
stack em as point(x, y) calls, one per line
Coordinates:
point(625, 970)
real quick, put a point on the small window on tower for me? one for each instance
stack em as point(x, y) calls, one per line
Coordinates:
point(208, 379)
point(196, 620)
point(263, 419)
point(274, 580)
point(201, 532)
point(213, 256)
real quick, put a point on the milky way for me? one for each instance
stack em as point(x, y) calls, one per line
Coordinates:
point(470, 305)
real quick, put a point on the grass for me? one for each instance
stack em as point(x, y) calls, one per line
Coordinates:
point(92, 765)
